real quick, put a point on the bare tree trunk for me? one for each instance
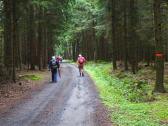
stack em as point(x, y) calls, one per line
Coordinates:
point(159, 86)
point(40, 40)
point(114, 34)
point(10, 37)
point(125, 36)
point(133, 36)
point(31, 37)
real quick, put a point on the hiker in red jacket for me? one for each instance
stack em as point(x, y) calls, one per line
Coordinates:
point(81, 62)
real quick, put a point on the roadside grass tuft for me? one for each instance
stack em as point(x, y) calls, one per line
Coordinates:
point(130, 100)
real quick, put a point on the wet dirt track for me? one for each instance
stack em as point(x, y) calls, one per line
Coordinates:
point(70, 102)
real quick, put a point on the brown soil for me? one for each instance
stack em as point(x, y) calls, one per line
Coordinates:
point(103, 116)
point(12, 93)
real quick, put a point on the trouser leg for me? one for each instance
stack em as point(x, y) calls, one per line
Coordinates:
point(52, 74)
point(55, 77)
point(80, 71)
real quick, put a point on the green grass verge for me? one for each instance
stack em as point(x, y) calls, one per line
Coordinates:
point(124, 112)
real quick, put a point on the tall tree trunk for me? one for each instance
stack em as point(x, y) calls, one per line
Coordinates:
point(14, 40)
point(114, 34)
point(133, 36)
point(40, 40)
point(45, 59)
point(125, 37)
point(31, 37)
point(10, 37)
point(159, 86)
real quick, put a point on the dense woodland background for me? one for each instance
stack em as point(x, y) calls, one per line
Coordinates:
point(131, 32)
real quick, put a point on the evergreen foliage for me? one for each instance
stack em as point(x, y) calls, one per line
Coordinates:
point(125, 31)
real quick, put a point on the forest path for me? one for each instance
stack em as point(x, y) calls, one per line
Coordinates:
point(73, 101)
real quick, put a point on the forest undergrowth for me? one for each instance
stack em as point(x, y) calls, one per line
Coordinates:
point(129, 97)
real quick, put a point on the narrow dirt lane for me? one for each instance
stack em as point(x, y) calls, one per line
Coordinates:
point(70, 102)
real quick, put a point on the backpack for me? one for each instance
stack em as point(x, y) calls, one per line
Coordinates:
point(54, 65)
point(81, 60)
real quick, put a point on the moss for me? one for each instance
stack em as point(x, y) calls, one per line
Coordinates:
point(31, 77)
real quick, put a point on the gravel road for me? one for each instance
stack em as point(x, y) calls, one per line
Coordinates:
point(70, 102)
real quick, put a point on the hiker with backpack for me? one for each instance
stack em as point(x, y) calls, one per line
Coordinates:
point(54, 66)
point(81, 61)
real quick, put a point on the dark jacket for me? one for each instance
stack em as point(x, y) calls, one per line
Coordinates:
point(54, 65)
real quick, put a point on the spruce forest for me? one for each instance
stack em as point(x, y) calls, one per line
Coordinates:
point(124, 42)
